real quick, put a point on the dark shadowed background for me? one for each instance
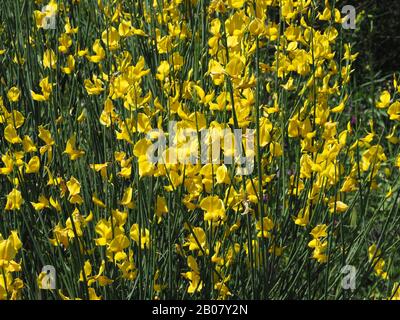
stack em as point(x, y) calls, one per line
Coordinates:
point(377, 37)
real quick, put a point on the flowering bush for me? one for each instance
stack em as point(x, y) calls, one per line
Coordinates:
point(273, 180)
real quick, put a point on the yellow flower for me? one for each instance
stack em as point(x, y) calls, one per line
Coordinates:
point(99, 55)
point(374, 256)
point(71, 151)
point(93, 295)
point(395, 292)
point(11, 135)
point(70, 65)
point(319, 231)
point(13, 94)
point(9, 164)
point(127, 198)
point(33, 165)
point(117, 245)
point(394, 111)
point(28, 144)
point(161, 208)
point(216, 71)
point(265, 228)
point(384, 100)
point(195, 283)
point(222, 175)
point(103, 228)
point(74, 187)
point(14, 200)
point(99, 278)
point(143, 238)
point(235, 67)
point(65, 43)
point(45, 135)
point(214, 208)
point(49, 59)
point(98, 202)
point(162, 70)
point(110, 38)
point(102, 168)
point(197, 240)
point(339, 206)
point(43, 203)
point(47, 88)
point(9, 247)
point(95, 87)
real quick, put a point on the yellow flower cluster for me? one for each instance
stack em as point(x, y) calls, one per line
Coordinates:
point(10, 286)
point(92, 98)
